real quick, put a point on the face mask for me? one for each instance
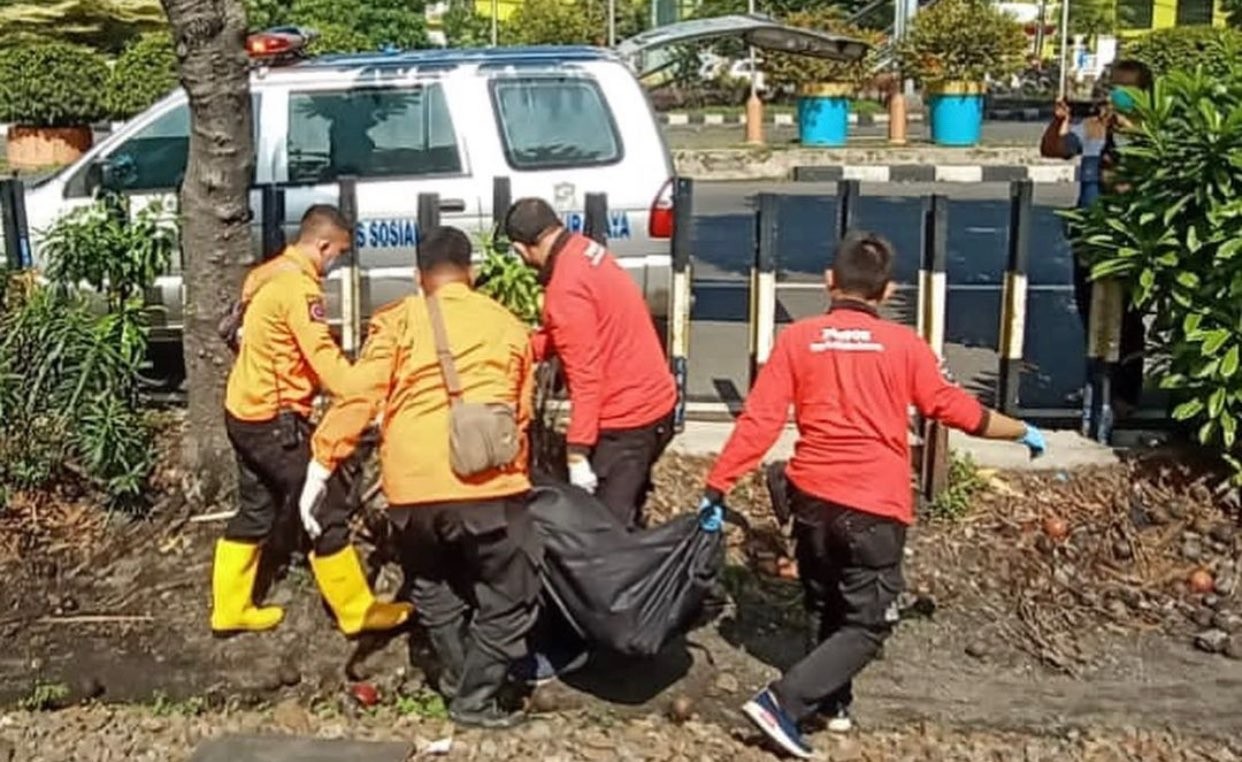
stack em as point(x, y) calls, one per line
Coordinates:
point(1121, 99)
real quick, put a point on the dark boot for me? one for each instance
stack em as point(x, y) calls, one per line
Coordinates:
point(449, 643)
point(476, 702)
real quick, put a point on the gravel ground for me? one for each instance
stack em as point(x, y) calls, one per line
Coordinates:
point(138, 734)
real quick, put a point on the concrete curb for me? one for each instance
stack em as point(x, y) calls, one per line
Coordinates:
point(682, 119)
point(942, 173)
point(935, 164)
point(1066, 449)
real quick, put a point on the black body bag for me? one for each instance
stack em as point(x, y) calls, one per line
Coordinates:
point(629, 592)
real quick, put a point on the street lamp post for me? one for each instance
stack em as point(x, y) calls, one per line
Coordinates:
point(612, 23)
point(754, 106)
point(495, 21)
point(1065, 8)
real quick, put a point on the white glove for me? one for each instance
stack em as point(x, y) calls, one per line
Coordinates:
point(313, 489)
point(581, 474)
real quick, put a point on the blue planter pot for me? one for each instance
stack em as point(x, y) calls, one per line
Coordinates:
point(956, 117)
point(823, 116)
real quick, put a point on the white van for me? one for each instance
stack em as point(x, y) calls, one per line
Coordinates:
point(559, 122)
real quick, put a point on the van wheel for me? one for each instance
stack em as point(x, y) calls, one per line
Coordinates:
point(164, 370)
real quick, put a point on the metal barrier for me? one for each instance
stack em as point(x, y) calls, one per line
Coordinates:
point(681, 295)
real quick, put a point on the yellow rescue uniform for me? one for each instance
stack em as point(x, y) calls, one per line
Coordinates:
point(398, 373)
point(287, 352)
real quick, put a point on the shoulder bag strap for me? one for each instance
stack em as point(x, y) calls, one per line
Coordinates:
point(443, 353)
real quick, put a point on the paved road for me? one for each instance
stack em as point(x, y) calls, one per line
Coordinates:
point(725, 136)
point(978, 217)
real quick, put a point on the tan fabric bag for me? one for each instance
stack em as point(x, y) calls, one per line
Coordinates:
point(482, 436)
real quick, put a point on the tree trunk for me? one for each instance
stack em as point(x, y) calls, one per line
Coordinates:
point(209, 37)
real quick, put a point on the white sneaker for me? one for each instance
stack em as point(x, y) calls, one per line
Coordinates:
point(840, 722)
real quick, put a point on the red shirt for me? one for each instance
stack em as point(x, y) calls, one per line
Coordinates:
point(596, 320)
point(851, 377)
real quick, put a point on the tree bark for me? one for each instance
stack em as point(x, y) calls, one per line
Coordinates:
point(209, 37)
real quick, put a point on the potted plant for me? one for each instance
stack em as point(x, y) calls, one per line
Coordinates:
point(824, 88)
point(953, 48)
point(50, 94)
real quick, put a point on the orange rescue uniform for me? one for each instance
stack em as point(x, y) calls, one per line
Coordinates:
point(287, 352)
point(398, 372)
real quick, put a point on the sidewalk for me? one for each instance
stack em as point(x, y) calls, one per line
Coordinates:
point(1066, 449)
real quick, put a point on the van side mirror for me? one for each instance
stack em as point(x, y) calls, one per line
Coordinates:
point(104, 174)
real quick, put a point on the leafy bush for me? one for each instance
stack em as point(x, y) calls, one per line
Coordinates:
point(1187, 47)
point(551, 22)
point(69, 370)
point(1172, 232)
point(507, 279)
point(52, 84)
point(347, 26)
point(145, 72)
point(465, 27)
point(964, 483)
point(789, 70)
point(962, 41)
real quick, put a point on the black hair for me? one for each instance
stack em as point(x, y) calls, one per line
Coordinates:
point(444, 247)
point(863, 265)
point(530, 219)
point(321, 218)
point(1140, 70)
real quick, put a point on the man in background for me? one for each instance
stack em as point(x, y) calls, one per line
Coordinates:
point(1095, 139)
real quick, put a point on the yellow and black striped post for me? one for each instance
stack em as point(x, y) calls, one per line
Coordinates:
point(1103, 358)
point(272, 200)
point(1013, 297)
point(933, 293)
point(17, 253)
point(681, 296)
point(351, 274)
point(595, 226)
point(502, 199)
point(847, 196)
point(763, 284)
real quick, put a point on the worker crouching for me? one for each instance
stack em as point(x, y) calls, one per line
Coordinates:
point(285, 354)
point(452, 372)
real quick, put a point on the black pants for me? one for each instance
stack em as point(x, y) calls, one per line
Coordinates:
point(271, 466)
point(850, 565)
point(475, 570)
point(1128, 383)
point(622, 460)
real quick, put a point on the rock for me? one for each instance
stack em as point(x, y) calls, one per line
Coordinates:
point(1233, 649)
point(289, 675)
point(1203, 617)
point(1118, 609)
point(1178, 509)
point(1227, 585)
point(1192, 550)
point(1211, 641)
point(1043, 543)
point(977, 649)
point(89, 687)
point(1227, 621)
point(1213, 601)
point(1122, 550)
point(727, 683)
point(290, 716)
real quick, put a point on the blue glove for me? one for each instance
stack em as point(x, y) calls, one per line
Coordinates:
point(711, 514)
point(1034, 441)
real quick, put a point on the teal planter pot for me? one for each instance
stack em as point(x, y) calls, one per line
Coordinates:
point(956, 114)
point(824, 115)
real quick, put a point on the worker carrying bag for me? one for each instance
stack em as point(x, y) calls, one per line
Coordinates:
point(629, 592)
point(482, 436)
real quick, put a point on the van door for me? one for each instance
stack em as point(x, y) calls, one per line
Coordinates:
point(146, 162)
point(398, 140)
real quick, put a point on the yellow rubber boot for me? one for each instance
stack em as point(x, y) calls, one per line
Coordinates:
point(346, 590)
point(232, 584)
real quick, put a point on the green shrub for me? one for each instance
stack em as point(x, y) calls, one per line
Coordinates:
point(1173, 234)
point(465, 27)
point(145, 72)
point(963, 485)
point(962, 41)
point(1187, 47)
point(506, 278)
point(347, 26)
point(791, 70)
point(69, 370)
point(52, 84)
